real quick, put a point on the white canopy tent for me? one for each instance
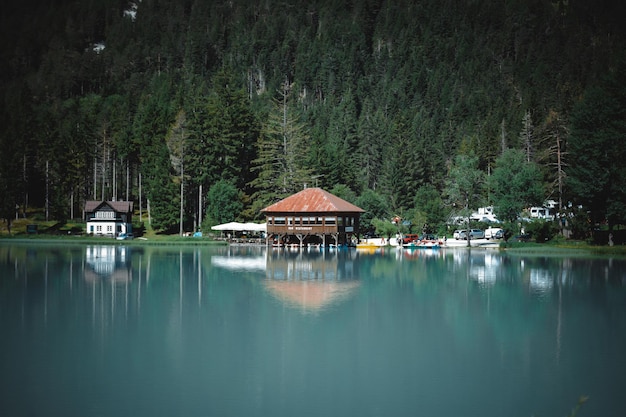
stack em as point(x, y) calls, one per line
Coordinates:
point(240, 227)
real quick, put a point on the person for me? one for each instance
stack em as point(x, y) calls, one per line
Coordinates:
point(610, 239)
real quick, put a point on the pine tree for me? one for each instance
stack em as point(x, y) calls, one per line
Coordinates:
point(516, 184)
point(464, 186)
point(597, 150)
point(282, 150)
point(527, 136)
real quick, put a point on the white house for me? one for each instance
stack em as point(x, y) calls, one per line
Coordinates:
point(109, 218)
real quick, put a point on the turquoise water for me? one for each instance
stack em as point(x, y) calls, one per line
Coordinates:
point(163, 331)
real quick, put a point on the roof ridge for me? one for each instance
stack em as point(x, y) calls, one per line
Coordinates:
point(313, 200)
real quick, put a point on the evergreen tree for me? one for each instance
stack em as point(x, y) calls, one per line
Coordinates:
point(516, 184)
point(527, 136)
point(222, 135)
point(11, 185)
point(375, 206)
point(597, 151)
point(464, 186)
point(429, 206)
point(176, 144)
point(281, 154)
point(154, 117)
point(373, 135)
point(223, 204)
point(555, 158)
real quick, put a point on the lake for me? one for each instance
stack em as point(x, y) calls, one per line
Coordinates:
point(115, 330)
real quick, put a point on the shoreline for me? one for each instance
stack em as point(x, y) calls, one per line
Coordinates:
point(547, 249)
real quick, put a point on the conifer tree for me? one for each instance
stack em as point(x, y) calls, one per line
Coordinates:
point(516, 184)
point(464, 186)
point(597, 150)
point(282, 150)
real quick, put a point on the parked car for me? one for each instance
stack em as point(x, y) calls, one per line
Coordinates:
point(494, 233)
point(457, 234)
point(473, 234)
point(408, 238)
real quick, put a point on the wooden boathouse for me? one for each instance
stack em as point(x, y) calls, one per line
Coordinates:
point(311, 217)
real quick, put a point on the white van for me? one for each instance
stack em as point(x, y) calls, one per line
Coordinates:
point(494, 233)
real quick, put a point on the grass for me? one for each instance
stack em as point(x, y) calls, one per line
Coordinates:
point(563, 246)
point(53, 231)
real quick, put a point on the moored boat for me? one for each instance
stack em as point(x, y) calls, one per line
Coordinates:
point(422, 244)
point(425, 242)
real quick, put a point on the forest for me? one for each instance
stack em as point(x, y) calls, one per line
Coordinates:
point(206, 111)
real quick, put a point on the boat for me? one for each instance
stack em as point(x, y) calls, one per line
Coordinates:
point(376, 242)
point(425, 242)
point(368, 245)
point(422, 245)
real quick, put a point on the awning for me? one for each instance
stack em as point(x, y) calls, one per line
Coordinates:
point(240, 227)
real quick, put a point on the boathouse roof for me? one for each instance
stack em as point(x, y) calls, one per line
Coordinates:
point(313, 200)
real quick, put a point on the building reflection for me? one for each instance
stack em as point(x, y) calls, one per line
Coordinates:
point(308, 280)
point(311, 281)
point(107, 263)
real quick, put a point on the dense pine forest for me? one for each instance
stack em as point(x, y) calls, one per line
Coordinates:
point(206, 111)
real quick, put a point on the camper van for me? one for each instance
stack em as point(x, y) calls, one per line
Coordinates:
point(540, 213)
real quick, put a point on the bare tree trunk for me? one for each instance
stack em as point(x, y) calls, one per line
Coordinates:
point(140, 210)
point(47, 190)
point(559, 171)
point(114, 180)
point(182, 186)
point(95, 175)
point(104, 157)
point(127, 180)
point(200, 206)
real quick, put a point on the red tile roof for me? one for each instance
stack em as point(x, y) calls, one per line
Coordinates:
point(313, 200)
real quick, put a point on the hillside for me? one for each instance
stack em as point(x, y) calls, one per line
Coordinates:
point(107, 99)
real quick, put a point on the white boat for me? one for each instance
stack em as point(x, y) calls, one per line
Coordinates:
point(424, 243)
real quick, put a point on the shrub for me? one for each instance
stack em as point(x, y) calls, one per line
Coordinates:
point(541, 230)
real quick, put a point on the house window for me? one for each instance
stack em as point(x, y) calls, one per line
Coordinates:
point(109, 229)
point(98, 228)
point(105, 215)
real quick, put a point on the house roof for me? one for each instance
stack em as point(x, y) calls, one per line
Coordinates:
point(119, 206)
point(313, 200)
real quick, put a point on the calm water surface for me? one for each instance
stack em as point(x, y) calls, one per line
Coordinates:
point(163, 331)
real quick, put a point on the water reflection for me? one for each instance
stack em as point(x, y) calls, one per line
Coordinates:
point(108, 262)
point(484, 267)
point(311, 281)
point(218, 331)
point(308, 280)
